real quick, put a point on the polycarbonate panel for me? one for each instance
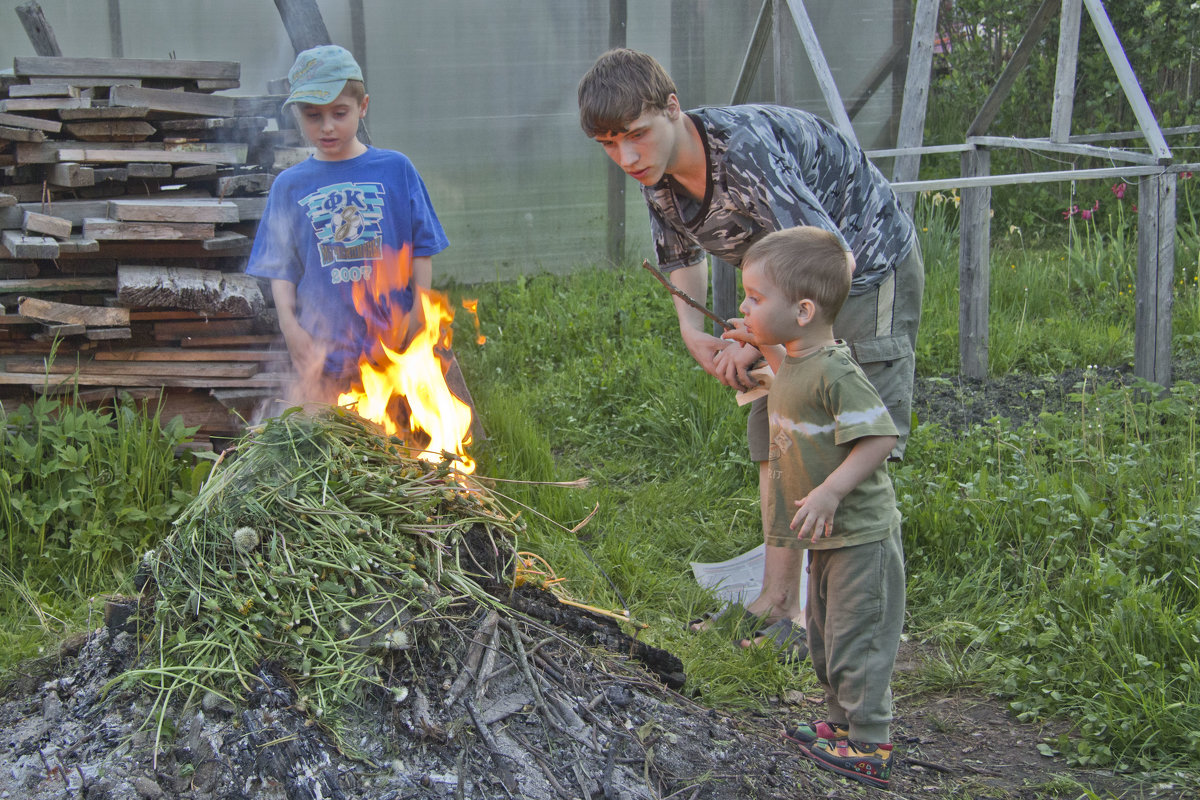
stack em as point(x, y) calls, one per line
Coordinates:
point(481, 94)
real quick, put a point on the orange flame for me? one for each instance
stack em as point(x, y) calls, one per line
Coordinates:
point(472, 307)
point(397, 377)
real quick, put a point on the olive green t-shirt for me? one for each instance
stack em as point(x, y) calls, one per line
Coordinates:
point(818, 406)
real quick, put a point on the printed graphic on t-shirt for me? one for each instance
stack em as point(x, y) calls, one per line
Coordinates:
point(346, 218)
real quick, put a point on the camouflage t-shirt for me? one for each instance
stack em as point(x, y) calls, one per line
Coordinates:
point(770, 168)
point(819, 405)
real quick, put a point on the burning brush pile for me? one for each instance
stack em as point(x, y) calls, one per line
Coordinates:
point(333, 617)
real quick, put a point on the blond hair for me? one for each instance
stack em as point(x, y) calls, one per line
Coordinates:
point(806, 263)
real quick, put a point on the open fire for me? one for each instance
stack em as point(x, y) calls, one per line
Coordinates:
point(401, 384)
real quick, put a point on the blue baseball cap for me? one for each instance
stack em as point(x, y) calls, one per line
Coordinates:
point(320, 74)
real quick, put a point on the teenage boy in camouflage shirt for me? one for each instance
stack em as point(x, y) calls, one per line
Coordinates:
point(717, 179)
point(828, 492)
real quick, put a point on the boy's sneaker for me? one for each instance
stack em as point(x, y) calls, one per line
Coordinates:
point(807, 733)
point(867, 763)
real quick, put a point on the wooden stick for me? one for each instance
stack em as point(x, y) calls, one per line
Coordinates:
point(684, 296)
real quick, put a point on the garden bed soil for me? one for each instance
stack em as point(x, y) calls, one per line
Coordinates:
point(607, 722)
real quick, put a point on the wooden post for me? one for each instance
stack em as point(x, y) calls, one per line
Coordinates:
point(114, 29)
point(758, 43)
point(916, 98)
point(974, 267)
point(820, 67)
point(785, 55)
point(1155, 276)
point(1064, 78)
point(1020, 57)
point(38, 29)
point(1129, 82)
point(618, 19)
point(304, 24)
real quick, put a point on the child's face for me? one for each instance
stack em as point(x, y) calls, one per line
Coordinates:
point(333, 128)
point(768, 316)
point(646, 148)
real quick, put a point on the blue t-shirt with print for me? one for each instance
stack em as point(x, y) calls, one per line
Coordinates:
point(329, 225)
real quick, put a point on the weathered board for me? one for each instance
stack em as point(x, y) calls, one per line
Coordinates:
point(33, 123)
point(102, 229)
point(66, 313)
point(46, 224)
point(189, 288)
point(117, 130)
point(187, 210)
point(30, 66)
point(176, 102)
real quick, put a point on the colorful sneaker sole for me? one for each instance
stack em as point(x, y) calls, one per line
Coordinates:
point(863, 769)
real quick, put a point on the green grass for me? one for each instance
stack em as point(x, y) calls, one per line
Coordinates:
point(1044, 563)
point(1054, 566)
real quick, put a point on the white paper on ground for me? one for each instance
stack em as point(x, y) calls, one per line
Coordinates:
point(739, 580)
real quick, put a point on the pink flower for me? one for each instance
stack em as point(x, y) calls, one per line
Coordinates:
point(1086, 213)
point(1185, 175)
point(1068, 214)
point(1119, 190)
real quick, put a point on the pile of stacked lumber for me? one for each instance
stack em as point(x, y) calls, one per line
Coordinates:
point(129, 194)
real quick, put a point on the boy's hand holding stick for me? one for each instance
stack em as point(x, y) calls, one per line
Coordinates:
point(760, 370)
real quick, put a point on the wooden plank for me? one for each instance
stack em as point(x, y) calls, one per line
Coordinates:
point(117, 369)
point(33, 123)
point(189, 288)
point(1129, 82)
point(1064, 75)
point(118, 156)
point(916, 97)
point(70, 174)
point(204, 124)
point(126, 67)
point(77, 244)
point(974, 273)
point(103, 112)
point(119, 130)
point(7, 200)
point(284, 157)
point(142, 170)
point(1105, 153)
point(39, 285)
point(1155, 278)
point(248, 340)
point(103, 229)
point(991, 106)
point(57, 89)
point(264, 380)
point(303, 23)
point(83, 81)
point(107, 334)
point(250, 183)
point(159, 354)
point(175, 102)
point(54, 331)
point(43, 103)
point(46, 224)
point(227, 240)
point(166, 331)
point(11, 134)
point(187, 210)
point(194, 172)
point(40, 34)
point(19, 245)
point(47, 311)
point(217, 85)
point(258, 106)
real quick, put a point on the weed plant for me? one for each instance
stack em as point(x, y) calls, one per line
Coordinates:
point(83, 492)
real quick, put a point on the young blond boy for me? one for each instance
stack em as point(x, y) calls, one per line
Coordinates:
point(335, 218)
point(829, 492)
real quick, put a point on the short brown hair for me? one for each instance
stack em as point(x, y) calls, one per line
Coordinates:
point(806, 263)
point(356, 89)
point(622, 85)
